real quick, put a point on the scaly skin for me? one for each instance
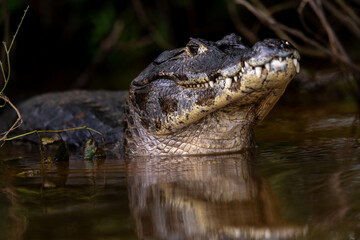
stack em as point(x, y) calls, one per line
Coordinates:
point(206, 97)
point(201, 99)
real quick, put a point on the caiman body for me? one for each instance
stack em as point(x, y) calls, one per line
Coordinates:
point(201, 99)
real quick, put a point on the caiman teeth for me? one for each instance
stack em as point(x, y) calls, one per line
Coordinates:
point(211, 83)
point(275, 64)
point(296, 64)
point(295, 61)
point(267, 66)
point(228, 82)
point(298, 68)
point(258, 71)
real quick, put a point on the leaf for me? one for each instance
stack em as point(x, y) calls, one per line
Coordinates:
point(92, 151)
point(47, 140)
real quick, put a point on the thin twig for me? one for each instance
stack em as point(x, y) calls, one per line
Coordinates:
point(316, 34)
point(16, 124)
point(335, 44)
point(349, 11)
point(350, 23)
point(282, 6)
point(268, 20)
point(54, 131)
point(7, 51)
point(18, 28)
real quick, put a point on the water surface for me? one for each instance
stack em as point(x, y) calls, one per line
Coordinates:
point(301, 182)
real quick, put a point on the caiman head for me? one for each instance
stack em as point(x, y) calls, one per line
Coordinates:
point(206, 97)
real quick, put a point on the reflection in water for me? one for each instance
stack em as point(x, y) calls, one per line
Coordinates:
point(64, 200)
point(309, 188)
point(18, 224)
point(203, 198)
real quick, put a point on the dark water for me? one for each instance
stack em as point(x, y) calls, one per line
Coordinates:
point(302, 182)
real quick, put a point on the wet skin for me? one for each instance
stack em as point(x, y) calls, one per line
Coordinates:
point(206, 97)
point(203, 98)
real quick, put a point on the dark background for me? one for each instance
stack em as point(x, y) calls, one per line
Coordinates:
point(66, 44)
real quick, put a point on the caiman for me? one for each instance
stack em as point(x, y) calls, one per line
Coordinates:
point(203, 98)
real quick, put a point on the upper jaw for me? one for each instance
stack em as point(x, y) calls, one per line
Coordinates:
point(258, 66)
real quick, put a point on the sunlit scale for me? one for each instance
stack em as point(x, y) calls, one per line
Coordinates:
point(275, 64)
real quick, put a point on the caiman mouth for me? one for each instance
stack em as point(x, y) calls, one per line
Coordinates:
point(231, 76)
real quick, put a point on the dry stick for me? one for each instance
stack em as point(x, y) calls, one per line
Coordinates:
point(279, 30)
point(335, 44)
point(282, 6)
point(344, 18)
point(19, 120)
point(7, 51)
point(15, 125)
point(337, 49)
point(56, 131)
point(316, 35)
point(349, 11)
point(275, 26)
point(265, 10)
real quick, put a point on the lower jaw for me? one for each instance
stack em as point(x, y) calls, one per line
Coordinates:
point(242, 139)
point(195, 150)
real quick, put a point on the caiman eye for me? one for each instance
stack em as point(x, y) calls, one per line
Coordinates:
point(196, 49)
point(193, 49)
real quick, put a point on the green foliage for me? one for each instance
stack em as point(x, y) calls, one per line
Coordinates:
point(47, 140)
point(92, 151)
